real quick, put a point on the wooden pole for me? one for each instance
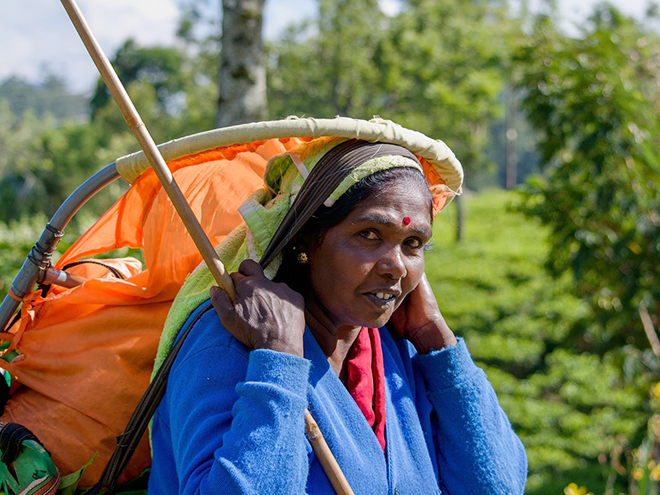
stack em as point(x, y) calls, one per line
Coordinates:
point(325, 456)
point(150, 149)
point(222, 278)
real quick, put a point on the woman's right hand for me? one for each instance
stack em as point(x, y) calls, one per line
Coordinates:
point(266, 314)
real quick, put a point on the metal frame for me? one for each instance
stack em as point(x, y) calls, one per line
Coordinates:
point(40, 255)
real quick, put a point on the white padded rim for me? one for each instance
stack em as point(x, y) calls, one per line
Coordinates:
point(130, 167)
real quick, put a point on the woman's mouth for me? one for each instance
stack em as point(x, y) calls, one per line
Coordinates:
point(382, 299)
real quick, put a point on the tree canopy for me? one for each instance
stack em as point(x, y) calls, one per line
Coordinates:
point(595, 101)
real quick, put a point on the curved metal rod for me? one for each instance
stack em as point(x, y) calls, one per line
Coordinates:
point(42, 251)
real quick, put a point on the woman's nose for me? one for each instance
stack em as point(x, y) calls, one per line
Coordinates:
point(392, 264)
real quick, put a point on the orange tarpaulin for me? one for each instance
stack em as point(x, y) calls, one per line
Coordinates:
point(86, 354)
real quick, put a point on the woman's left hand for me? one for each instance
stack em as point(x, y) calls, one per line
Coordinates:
point(419, 320)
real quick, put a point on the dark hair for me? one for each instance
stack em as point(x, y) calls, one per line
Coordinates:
point(325, 218)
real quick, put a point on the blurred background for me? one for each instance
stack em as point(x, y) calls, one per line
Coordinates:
point(548, 263)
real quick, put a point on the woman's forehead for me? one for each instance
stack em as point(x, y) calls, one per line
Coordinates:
point(407, 192)
point(401, 204)
point(418, 221)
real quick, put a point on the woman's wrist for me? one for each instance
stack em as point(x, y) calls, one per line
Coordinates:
point(435, 335)
point(295, 348)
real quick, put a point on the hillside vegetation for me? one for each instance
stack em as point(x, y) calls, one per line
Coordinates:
point(575, 411)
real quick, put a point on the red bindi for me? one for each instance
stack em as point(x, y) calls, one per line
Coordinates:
point(406, 220)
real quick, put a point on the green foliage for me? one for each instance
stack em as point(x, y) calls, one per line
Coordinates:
point(443, 64)
point(575, 411)
point(44, 159)
point(18, 135)
point(328, 66)
point(16, 240)
point(50, 97)
point(160, 66)
point(171, 91)
point(436, 67)
point(47, 164)
point(594, 100)
point(646, 458)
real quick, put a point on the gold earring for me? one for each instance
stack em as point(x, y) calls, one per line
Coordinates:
point(302, 258)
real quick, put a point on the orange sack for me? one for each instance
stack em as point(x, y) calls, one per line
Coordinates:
point(85, 354)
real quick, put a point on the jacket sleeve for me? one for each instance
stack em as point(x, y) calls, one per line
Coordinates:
point(237, 417)
point(477, 450)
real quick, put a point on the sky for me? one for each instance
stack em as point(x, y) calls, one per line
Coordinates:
point(36, 36)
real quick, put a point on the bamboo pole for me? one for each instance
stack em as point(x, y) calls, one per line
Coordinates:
point(326, 458)
point(139, 130)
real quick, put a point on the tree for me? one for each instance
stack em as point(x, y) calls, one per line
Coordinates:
point(237, 51)
point(595, 102)
point(43, 159)
point(46, 163)
point(328, 66)
point(47, 97)
point(242, 78)
point(436, 67)
point(170, 86)
point(46, 157)
point(161, 67)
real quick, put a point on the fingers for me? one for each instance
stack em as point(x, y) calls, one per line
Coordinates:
point(221, 301)
point(425, 284)
point(250, 268)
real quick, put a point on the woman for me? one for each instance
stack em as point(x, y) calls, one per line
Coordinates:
point(403, 407)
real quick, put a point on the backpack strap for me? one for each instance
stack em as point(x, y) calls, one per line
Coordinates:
point(127, 442)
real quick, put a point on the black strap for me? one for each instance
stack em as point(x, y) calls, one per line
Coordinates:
point(40, 256)
point(12, 436)
point(128, 441)
point(111, 269)
point(4, 393)
point(45, 288)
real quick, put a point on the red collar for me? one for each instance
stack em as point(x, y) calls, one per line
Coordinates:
point(364, 377)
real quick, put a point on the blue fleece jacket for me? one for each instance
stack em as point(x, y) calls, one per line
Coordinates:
point(232, 421)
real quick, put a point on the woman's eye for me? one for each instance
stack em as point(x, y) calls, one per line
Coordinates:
point(414, 243)
point(369, 235)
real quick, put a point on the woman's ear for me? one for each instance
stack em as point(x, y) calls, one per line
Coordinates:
point(303, 243)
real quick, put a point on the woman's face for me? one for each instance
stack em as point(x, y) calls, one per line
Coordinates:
point(364, 267)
